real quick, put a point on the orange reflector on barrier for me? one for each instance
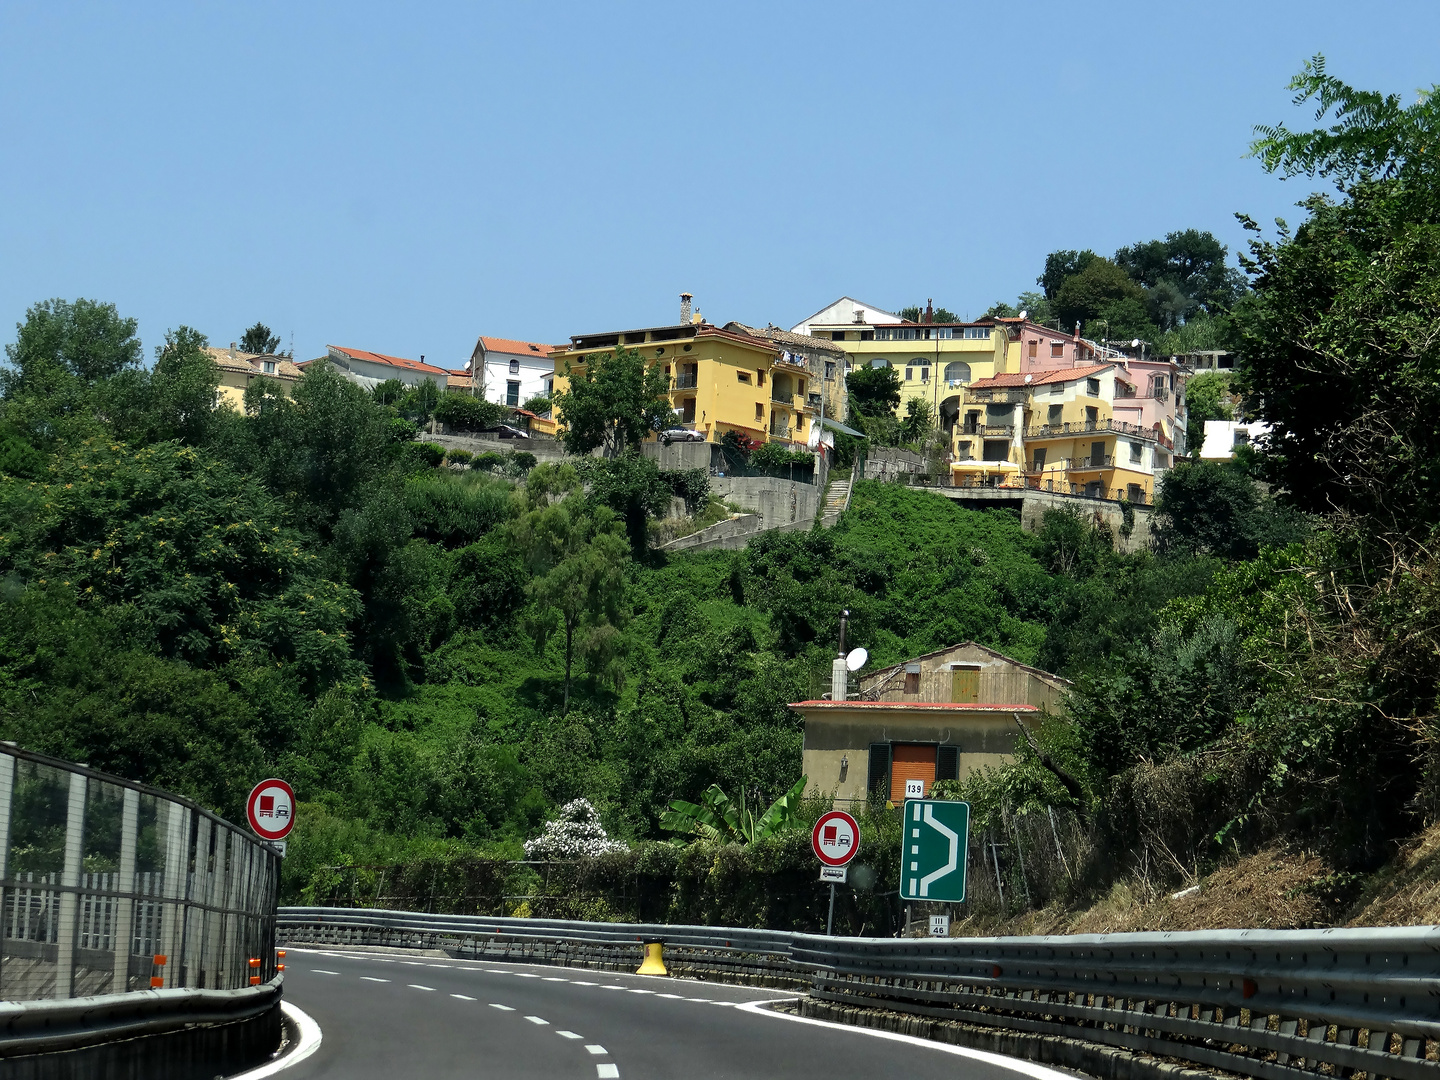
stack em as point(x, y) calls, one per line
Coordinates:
point(160, 959)
point(156, 982)
point(254, 961)
point(279, 967)
point(254, 980)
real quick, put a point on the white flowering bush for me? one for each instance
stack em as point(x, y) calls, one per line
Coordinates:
point(574, 833)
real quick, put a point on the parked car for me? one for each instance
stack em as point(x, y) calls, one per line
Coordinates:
point(505, 431)
point(682, 435)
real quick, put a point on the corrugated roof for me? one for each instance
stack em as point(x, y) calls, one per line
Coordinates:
point(392, 361)
point(1039, 378)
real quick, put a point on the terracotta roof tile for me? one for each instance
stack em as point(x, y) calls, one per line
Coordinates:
point(516, 347)
point(392, 361)
point(1039, 378)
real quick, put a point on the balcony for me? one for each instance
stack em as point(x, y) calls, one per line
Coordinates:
point(992, 430)
point(1090, 462)
point(684, 382)
point(782, 397)
point(812, 401)
point(1016, 396)
point(1083, 427)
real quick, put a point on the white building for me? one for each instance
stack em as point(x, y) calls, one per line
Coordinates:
point(370, 369)
point(1223, 436)
point(847, 311)
point(511, 372)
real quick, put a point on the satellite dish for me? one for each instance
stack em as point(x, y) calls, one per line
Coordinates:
point(1135, 344)
point(1024, 314)
point(1029, 377)
point(856, 660)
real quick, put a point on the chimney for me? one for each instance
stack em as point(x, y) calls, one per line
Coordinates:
point(929, 311)
point(232, 350)
point(685, 299)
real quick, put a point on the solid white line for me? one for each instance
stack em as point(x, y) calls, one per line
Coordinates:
point(605, 1070)
point(502, 1008)
point(702, 1001)
point(1025, 1068)
point(322, 971)
point(537, 1020)
point(462, 997)
point(371, 978)
point(567, 1034)
point(417, 986)
point(597, 1050)
point(308, 1042)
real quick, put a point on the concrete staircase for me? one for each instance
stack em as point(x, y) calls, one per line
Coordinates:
point(837, 498)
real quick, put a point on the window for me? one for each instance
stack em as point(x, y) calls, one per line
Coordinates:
point(514, 367)
point(909, 374)
point(759, 378)
point(759, 411)
point(800, 387)
point(1092, 417)
point(1242, 437)
point(972, 422)
point(743, 376)
point(1053, 414)
point(1034, 349)
point(1097, 455)
point(512, 392)
point(1057, 388)
point(1039, 459)
point(965, 682)
point(1135, 493)
point(550, 385)
point(879, 779)
point(1057, 348)
point(829, 370)
point(1092, 387)
point(957, 374)
point(1135, 451)
point(837, 335)
point(687, 411)
point(997, 450)
point(925, 373)
point(867, 335)
point(880, 362)
point(268, 366)
point(911, 761)
point(912, 678)
point(977, 333)
point(897, 333)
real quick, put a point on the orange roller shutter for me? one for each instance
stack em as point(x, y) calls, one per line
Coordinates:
point(911, 762)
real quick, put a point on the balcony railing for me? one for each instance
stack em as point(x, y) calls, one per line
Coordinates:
point(997, 397)
point(1081, 427)
point(685, 382)
point(781, 397)
point(1007, 430)
point(812, 401)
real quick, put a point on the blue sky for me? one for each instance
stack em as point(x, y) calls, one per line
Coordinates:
point(403, 178)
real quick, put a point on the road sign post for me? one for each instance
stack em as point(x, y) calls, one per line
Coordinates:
point(271, 810)
point(835, 840)
point(932, 856)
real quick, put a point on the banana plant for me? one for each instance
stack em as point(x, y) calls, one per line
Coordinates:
point(717, 820)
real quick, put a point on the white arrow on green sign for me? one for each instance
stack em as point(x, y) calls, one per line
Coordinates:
point(932, 860)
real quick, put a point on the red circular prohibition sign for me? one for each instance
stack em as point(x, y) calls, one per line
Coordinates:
point(271, 809)
point(836, 838)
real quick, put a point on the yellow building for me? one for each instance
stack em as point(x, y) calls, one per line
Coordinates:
point(720, 379)
point(239, 369)
point(1054, 430)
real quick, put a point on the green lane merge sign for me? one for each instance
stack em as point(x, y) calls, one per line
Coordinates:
point(932, 860)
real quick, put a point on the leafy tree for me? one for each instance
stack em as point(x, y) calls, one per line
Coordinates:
point(614, 403)
point(1124, 318)
point(465, 413)
point(1083, 296)
point(539, 404)
point(633, 487)
point(259, 339)
point(420, 401)
point(717, 820)
point(939, 315)
point(1342, 342)
point(388, 392)
point(176, 399)
point(86, 339)
point(919, 422)
point(1211, 508)
point(1182, 274)
point(1207, 397)
point(1060, 265)
point(874, 391)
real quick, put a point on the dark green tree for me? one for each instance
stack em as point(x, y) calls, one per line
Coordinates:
point(259, 339)
point(1060, 265)
point(1083, 295)
point(86, 339)
point(613, 403)
point(1210, 508)
point(874, 391)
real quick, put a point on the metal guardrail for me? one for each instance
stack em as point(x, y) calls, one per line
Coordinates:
point(100, 876)
point(1268, 1004)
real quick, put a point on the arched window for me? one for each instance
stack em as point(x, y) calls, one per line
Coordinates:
point(514, 367)
point(957, 374)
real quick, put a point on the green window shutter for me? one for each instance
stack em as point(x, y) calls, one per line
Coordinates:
point(947, 763)
point(879, 779)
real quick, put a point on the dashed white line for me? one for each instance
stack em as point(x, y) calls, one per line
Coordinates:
point(462, 997)
point(597, 1049)
point(577, 982)
point(417, 986)
point(537, 1020)
point(554, 978)
point(525, 974)
point(637, 990)
point(502, 1008)
point(371, 978)
point(321, 971)
point(412, 963)
point(702, 1001)
point(605, 1070)
point(567, 1034)
point(446, 966)
point(612, 988)
point(675, 997)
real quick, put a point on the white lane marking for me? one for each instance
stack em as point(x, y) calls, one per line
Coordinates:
point(371, 978)
point(676, 997)
point(322, 971)
point(462, 997)
point(417, 986)
point(722, 1003)
point(702, 1001)
point(612, 988)
point(554, 978)
point(525, 974)
point(637, 990)
point(537, 1020)
point(1024, 1068)
point(411, 963)
point(577, 982)
point(440, 965)
point(567, 1034)
point(502, 1008)
point(308, 1042)
point(597, 1050)
point(605, 1070)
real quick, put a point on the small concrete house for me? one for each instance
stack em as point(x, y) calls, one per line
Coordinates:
point(937, 717)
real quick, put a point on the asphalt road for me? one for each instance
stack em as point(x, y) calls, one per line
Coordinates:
point(388, 1016)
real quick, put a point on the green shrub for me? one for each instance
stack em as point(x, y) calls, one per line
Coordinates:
point(776, 455)
point(692, 485)
point(488, 461)
point(461, 412)
point(402, 430)
point(521, 461)
point(420, 455)
point(458, 457)
point(539, 404)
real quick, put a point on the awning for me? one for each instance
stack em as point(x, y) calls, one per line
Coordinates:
point(835, 425)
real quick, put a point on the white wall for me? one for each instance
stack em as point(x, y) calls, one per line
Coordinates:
point(1219, 442)
point(842, 312)
point(533, 376)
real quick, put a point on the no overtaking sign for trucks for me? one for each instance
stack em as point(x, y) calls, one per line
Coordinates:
point(271, 809)
point(836, 838)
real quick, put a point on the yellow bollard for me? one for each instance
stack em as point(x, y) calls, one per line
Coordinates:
point(654, 963)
